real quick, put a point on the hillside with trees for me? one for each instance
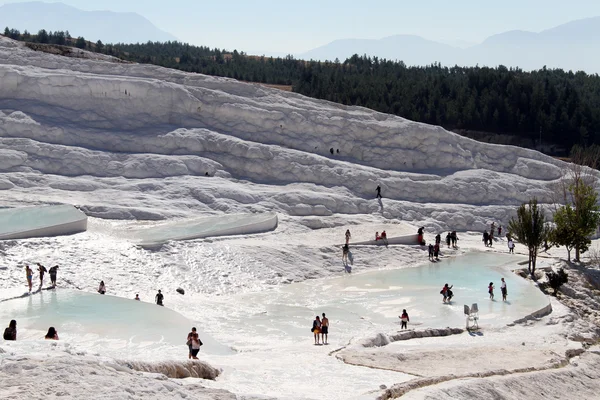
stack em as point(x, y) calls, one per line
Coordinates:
point(563, 108)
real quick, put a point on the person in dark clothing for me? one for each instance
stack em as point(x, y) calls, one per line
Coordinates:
point(430, 252)
point(378, 192)
point(448, 239)
point(486, 238)
point(438, 238)
point(436, 251)
point(331, 150)
point(453, 238)
point(10, 333)
point(159, 298)
point(53, 271)
point(404, 320)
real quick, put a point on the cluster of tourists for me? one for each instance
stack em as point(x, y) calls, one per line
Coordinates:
point(42, 271)
point(158, 299)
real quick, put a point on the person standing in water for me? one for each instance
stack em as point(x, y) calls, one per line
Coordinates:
point(447, 293)
point(491, 290)
point(378, 192)
point(503, 289)
point(52, 272)
point(102, 288)
point(159, 298)
point(348, 236)
point(404, 320)
point(137, 297)
point(42, 271)
point(29, 274)
point(324, 329)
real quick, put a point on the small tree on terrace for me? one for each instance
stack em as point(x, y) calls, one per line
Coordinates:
point(529, 228)
point(578, 218)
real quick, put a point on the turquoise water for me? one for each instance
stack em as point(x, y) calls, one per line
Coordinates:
point(83, 315)
point(373, 301)
point(29, 218)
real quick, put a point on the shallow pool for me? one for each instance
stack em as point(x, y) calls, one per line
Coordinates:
point(87, 317)
point(372, 301)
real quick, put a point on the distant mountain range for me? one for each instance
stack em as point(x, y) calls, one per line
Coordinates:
point(571, 46)
point(108, 26)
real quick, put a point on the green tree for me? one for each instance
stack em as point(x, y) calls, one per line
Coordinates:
point(529, 229)
point(80, 43)
point(42, 36)
point(99, 46)
point(6, 32)
point(565, 232)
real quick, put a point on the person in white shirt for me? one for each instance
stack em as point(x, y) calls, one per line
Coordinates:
point(511, 246)
point(503, 289)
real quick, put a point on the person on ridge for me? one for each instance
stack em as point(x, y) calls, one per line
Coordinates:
point(378, 192)
point(52, 334)
point(29, 273)
point(404, 320)
point(420, 236)
point(42, 270)
point(10, 333)
point(53, 272)
point(384, 237)
point(102, 288)
point(377, 237)
point(348, 236)
point(324, 329)
point(491, 290)
point(159, 298)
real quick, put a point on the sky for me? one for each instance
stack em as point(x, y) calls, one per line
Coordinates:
point(295, 27)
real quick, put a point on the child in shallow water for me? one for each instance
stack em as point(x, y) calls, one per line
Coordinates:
point(491, 290)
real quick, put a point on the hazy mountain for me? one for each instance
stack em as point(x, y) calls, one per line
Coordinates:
point(108, 26)
point(571, 46)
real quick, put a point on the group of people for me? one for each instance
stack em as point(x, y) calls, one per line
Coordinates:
point(447, 293)
point(451, 239)
point(193, 343)
point(42, 271)
point(320, 327)
point(488, 238)
point(383, 236)
point(158, 298)
point(503, 289)
point(10, 333)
